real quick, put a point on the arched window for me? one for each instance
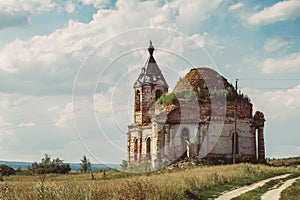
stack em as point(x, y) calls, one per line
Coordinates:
point(135, 149)
point(137, 100)
point(185, 140)
point(148, 148)
point(158, 94)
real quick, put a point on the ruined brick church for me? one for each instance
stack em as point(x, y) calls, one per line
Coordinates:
point(203, 117)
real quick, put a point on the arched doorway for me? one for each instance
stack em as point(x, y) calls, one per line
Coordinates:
point(185, 141)
point(148, 148)
point(135, 149)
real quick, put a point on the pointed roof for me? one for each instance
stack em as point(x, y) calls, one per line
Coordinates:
point(150, 73)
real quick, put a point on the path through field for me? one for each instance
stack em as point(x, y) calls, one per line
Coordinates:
point(275, 194)
point(237, 192)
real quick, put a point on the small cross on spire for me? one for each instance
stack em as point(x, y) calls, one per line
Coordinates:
point(151, 48)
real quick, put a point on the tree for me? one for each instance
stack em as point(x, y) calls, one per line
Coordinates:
point(124, 164)
point(47, 165)
point(6, 170)
point(85, 164)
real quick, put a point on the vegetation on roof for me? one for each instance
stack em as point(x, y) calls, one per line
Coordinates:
point(167, 99)
point(206, 87)
point(202, 95)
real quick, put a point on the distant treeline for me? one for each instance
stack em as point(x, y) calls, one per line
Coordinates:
point(293, 161)
point(47, 165)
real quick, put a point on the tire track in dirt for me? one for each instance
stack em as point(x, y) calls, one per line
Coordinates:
point(237, 192)
point(275, 193)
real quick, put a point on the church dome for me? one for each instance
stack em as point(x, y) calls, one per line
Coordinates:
point(202, 78)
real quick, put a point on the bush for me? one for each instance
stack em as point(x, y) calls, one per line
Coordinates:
point(85, 165)
point(50, 166)
point(6, 170)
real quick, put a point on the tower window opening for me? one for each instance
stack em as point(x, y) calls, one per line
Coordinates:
point(158, 94)
point(137, 100)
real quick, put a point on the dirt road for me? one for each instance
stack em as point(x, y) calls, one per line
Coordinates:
point(275, 194)
point(237, 192)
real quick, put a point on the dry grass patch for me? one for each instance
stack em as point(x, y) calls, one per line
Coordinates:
point(202, 181)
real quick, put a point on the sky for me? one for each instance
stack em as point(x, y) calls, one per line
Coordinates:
point(67, 68)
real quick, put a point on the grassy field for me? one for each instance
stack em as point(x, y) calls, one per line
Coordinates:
point(201, 182)
point(292, 192)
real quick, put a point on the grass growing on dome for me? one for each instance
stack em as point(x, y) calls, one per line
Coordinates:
point(166, 99)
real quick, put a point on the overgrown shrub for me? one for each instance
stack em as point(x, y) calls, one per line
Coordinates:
point(50, 166)
point(6, 170)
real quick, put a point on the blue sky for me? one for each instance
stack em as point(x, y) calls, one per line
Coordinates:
point(75, 61)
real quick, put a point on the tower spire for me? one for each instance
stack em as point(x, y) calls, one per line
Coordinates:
point(150, 73)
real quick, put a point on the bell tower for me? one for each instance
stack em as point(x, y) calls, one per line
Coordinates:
point(149, 86)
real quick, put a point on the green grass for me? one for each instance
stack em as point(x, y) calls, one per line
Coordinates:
point(201, 182)
point(258, 192)
point(292, 192)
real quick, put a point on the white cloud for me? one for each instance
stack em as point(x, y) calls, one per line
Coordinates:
point(97, 3)
point(27, 124)
point(55, 108)
point(59, 54)
point(205, 40)
point(70, 7)
point(277, 43)
point(6, 130)
point(115, 106)
point(15, 13)
point(287, 63)
point(103, 103)
point(192, 13)
point(280, 11)
point(51, 55)
point(276, 104)
point(298, 148)
point(76, 40)
point(65, 115)
point(5, 125)
point(32, 6)
point(235, 6)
